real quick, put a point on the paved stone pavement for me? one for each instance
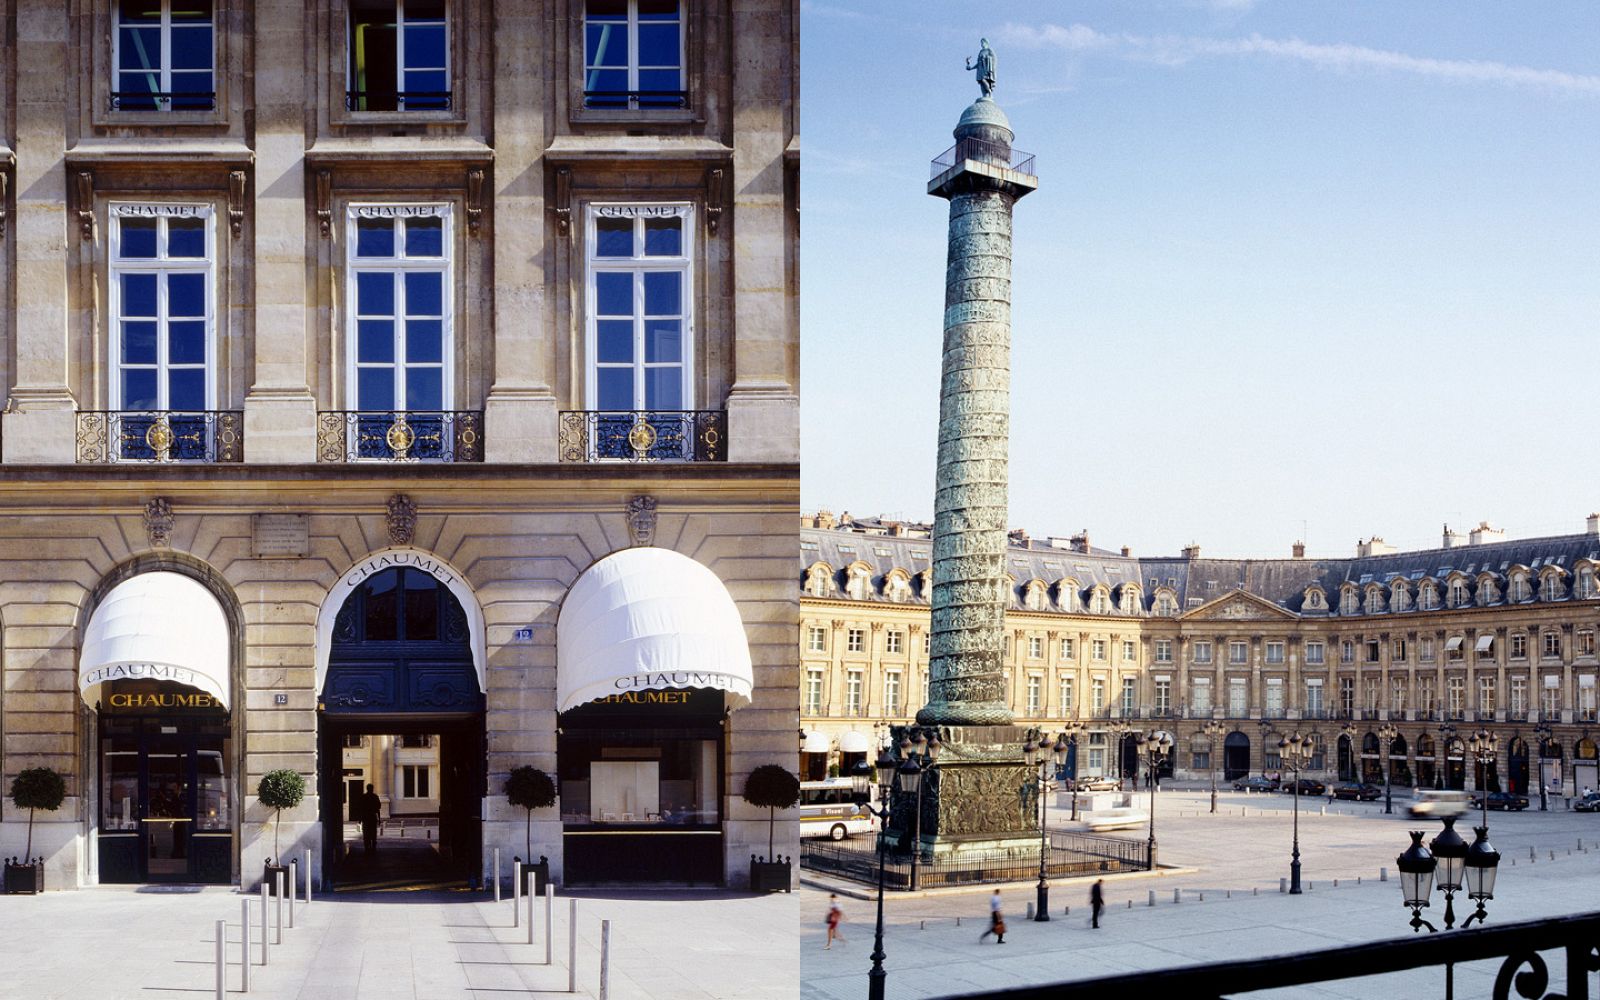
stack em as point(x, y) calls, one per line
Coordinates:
point(111, 943)
point(930, 956)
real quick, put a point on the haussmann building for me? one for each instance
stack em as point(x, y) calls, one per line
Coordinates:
point(399, 392)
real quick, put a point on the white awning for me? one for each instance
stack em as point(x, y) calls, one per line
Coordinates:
point(1452, 644)
point(1485, 643)
point(817, 742)
point(649, 619)
point(157, 626)
point(854, 742)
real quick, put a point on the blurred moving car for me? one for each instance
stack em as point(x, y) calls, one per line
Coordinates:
point(1094, 784)
point(1359, 792)
point(1438, 803)
point(1307, 787)
point(1256, 783)
point(1589, 803)
point(1501, 800)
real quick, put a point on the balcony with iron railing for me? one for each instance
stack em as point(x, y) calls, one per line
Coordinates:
point(151, 100)
point(397, 100)
point(644, 436)
point(983, 151)
point(160, 436)
point(400, 436)
point(636, 100)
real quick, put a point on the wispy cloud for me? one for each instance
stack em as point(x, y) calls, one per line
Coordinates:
point(1176, 50)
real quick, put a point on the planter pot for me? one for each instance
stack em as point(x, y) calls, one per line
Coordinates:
point(25, 878)
point(771, 876)
point(535, 876)
point(269, 872)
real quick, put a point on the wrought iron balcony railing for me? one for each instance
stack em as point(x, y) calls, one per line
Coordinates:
point(149, 100)
point(644, 435)
point(160, 436)
point(400, 436)
point(985, 152)
point(403, 100)
point(640, 100)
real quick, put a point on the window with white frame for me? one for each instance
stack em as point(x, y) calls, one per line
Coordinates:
point(1130, 695)
point(414, 781)
point(1066, 649)
point(1370, 692)
point(1035, 693)
point(1347, 651)
point(1458, 593)
point(1428, 599)
point(164, 52)
point(1275, 652)
point(1486, 692)
point(1397, 651)
point(1238, 697)
point(1586, 583)
point(1425, 650)
point(1065, 695)
point(892, 640)
point(163, 326)
point(401, 323)
point(855, 640)
point(1163, 696)
point(1163, 650)
point(1097, 695)
point(817, 639)
point(641, 328)
point(1098, 649)
point(891, 693)
point(633, 54)
point(1586, 698)
point(1200, 695)
point(1552, 645)
point(1035, 647)
point(1316, 653)
point(1314, 704)
point(813, 692)
point(1425, 694)
point(1373, 650)
point(1238, 652)
point(399, 56)
point(927, 643)
point(1274, 693)
point(1455, 696)
point(1397, 694)
point(1519, 646)
point(1100, 604)
point(1130, 652)
point(852, 693)
point(1519, 698)
point(1202, 651)
point(1583, 644)
point(1347, 695)
point(1550, 697)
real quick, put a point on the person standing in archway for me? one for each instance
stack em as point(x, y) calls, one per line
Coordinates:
point(371, 806)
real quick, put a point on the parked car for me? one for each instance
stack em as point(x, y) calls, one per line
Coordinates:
point(1589, 803)
point(1307, 787)
point(1501, 800)
point(1095, 784)
point(1360, 792)
point(1256, 783)
point(1438, 803)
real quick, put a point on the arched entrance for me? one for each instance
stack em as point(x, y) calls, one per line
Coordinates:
point(1427, 761)
point(1371, 761)
point(1399, 766)
point(1347, 761)
point(1128, 759)
point(1550, 771)
point(1235, 756)
point(1455, 772)
point(401, 726)
point(1517, 766)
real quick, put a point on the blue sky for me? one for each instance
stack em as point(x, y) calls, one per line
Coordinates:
point(1310, 269)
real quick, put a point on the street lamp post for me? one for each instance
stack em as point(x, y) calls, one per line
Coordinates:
point(1071, 734)
point(921, 753)
point(1295, 751)
point(862, 779)
point(1043, 758)
point(1541, 733)
point(1447, 735)
point(1118, 729)
point(1455, 864)
point(1387, 733)
point(1483, 745)
point(1153, 748)
point(1214, 731)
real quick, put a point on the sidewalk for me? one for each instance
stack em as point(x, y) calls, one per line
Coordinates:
point(112, 943)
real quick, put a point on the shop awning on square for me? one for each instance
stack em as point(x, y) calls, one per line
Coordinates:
point(817, 742)
point(157, 626)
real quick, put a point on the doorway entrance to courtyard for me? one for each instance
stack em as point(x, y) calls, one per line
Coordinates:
point(400, 726)
point(1236, 756)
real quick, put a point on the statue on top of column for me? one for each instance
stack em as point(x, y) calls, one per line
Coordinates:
point(984, 67)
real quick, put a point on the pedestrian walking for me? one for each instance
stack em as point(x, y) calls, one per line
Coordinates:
point(835, 917)
point(371, 808)
point(1097, 902)
point(997, 921)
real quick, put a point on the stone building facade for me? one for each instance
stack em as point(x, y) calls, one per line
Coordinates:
point(1482, 632)
point(389, 324)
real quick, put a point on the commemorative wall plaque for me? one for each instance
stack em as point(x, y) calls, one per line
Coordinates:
point(286, 536)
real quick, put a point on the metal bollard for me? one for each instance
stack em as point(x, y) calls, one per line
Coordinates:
point(572, 947)
point(497, 874)
point(549, 923)
point(1176, 895)
point(244, 946)
point(277, 933)
point(294, 876)
point(1283, 885)
point(529, 898)
point(516, 892)
point(222, 959)
point(264, 921)
point(605, 958)
point(307, 870)
point(1029, 915)
point(1152, 901)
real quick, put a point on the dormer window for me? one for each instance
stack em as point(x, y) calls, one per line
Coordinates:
point(1374, 600)
point(1347, 601)
point(1458, 593)
point(1520, 591)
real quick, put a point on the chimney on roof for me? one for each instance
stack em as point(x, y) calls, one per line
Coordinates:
point(1453, 539)
point(896, 529)
point(1191, 551)
point(1299, 550)
point(846, 519)
point(1594, 525)
point(1127, 551)
point(1374, 546)
point(1080, 541)
point(1018, 536)
point(1483, 534)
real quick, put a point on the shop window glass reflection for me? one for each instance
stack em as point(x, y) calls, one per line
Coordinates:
point(673, 782)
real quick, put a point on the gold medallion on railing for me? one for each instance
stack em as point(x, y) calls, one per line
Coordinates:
point(400, 436)
point(158, 438)
point(642, 437)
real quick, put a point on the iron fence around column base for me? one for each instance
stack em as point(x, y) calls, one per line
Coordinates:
point(400, 436)
point(644, 435)
point(1071, 855)
point(160, 436)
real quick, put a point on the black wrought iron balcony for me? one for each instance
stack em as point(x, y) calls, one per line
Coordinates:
point(644, 435)
point(993, 153)
point(397, 100)
point(400, 436)
point(158, 436)
point(636, 100)
point(149, 100)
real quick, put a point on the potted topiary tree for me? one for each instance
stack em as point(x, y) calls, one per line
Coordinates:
point(771, 787)
point(532, 789)
point(33, 789)
point(279, 790)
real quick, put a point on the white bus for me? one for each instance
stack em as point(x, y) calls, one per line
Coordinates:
point(827, 810)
